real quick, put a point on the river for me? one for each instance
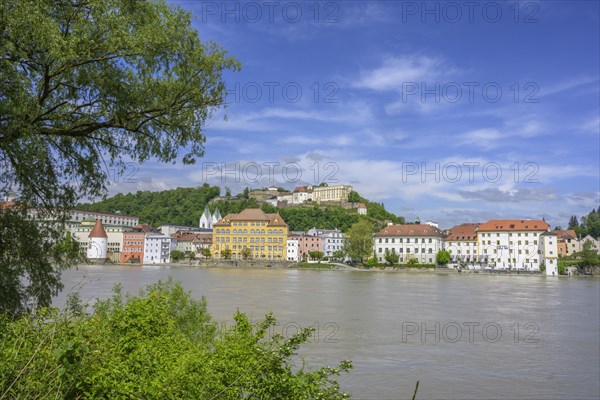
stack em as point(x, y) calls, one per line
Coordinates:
point(463, 336)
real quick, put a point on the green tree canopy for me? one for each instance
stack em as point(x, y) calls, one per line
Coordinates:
point(391, 257)
point(359, 242)
point(88, 85)
point(443, 257)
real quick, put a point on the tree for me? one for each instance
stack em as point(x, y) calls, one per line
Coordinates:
point(246, 253)
point(226, 254)
point(573, 223)
point(359, 242)
point(177, 255)
point(391, 257)
point(588, 256)
point(443, 257)
point(413, 261)
point(339, 254)
point(316, 255)
point(205, 252)
point(95, 84)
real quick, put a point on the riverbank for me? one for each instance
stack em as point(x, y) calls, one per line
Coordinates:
point(328, 266)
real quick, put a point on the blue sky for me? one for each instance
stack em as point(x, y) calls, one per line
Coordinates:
point(442, 110)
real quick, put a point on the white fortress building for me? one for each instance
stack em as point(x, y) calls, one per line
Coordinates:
point(97, 247)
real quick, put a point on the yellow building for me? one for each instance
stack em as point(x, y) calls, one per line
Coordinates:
point(264, 234)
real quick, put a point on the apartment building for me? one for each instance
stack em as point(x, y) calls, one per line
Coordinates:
point(264, 234)
point(514, 244)
point(333, 240)
point(292, 248)
point(158, 247)
point(419, 241)
point(133, 247)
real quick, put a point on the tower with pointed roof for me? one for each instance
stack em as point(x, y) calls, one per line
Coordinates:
point(97, 242)
point(216, 217)
point(207, 220)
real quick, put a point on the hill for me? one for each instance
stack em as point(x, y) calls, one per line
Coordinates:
point(183, 206)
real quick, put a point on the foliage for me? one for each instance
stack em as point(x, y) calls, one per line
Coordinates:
point(413, 261)
point(160, 344)
point(32, 254)
point(246, 253)
point(339, 254)
point(376, 211)
point(226, 254)
point(316, 255)
point(177, 255)
point(191, 255)
point(587, 255)
point(181, 206)
point(327, 217)
point(371, 262)
point(443, 257)
point(359, 241)
point(391, 257)
point(589, 225)
point(206, 252)
point(416, 265)
point(90, 87)
point(307, 265)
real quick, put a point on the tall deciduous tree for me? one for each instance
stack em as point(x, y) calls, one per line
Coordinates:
point(86, 86)
point(359, 242)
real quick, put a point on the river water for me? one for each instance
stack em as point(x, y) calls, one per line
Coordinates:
point(463, 336)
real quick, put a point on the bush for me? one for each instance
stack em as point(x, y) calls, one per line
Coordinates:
point(415, 265)
point(161, 344)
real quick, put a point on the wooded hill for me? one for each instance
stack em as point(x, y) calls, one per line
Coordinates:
point(183, 206)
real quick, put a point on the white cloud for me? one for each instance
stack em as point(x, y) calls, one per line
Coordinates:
point(396, 72)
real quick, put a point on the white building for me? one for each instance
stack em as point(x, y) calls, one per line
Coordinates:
point(292, 249)
point(302, 194)
point(97, 246)
point(513, 244)
point(420, 241)
point(157, 248)
point(79, 216)
point(549, 252)
point(333, 240)
point(362, 209)
point(461, 242)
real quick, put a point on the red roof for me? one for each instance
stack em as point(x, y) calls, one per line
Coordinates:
point(98, 230)
point(565, 233)
point(410, 230)
point(466, 232)
point(361, 205)
point(514, 225)
point(252, 214)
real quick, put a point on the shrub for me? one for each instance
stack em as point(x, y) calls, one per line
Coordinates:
point(161, 344)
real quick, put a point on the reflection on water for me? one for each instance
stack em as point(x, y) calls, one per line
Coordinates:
point(463, 336)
